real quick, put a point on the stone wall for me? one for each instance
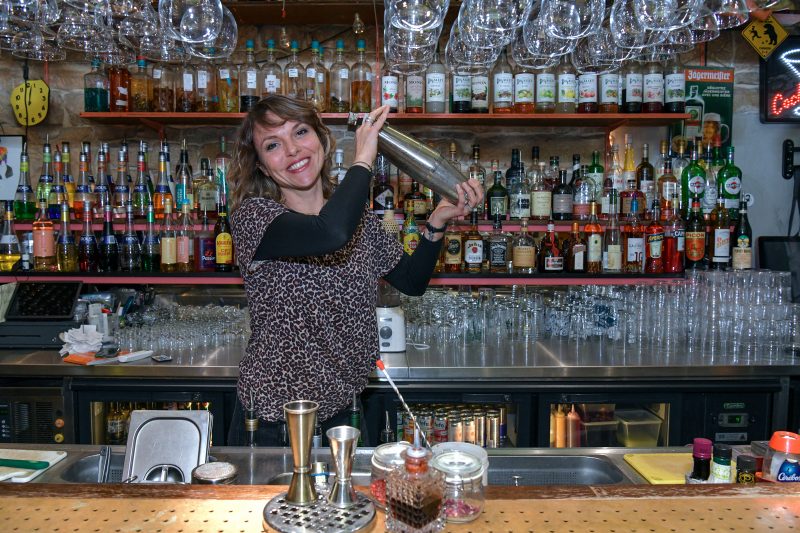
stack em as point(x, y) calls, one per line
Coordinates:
point(757, 145)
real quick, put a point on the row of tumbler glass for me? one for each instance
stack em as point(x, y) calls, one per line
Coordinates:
point(714, 316)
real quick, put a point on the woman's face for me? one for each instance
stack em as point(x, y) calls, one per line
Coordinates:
point(291, 154)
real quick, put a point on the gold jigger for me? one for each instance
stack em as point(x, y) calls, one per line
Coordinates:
point(301, 418)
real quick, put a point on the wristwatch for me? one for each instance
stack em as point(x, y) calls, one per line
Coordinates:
point(433, 229)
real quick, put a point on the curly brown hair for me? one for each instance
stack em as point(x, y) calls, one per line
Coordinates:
point(245, 179)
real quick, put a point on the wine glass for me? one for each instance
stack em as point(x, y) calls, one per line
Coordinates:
point(191, 21)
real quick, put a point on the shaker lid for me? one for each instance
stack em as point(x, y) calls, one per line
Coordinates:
point(458, 466)
point(702, 448)
point(785, 441)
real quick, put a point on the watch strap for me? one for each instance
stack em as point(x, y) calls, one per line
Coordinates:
point(434, 229)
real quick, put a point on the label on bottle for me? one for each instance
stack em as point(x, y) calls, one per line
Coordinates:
point(311, 73)
point(224, 249)
point(452, 249)
point(434, 87)
point(648, 188)
point(635, 250)
point(655, 243)
point(653, 88)
point(417, 206)
point(524, 256)
point(620, 85)
point(695, 245)
point(733, 186)
point(722, 243)
point(225, 74)
point(205, 250)
point(462, 88)
point(251, 79)
point(562, 204)
point(674, 87)
point(415, 87)
point(368, 76)
point(122, 90)
point(546, 88)
point(410, 241)
point(503, 89)
point(581, 209)
point(290, 72)
point(169, 251)
point(272, 84)
point(612, 258)
point(578, 254)
point(497, 254)
point(44, 244)
point(480, 92)
point(742, 254)
point(188, 82)
point(633, 87)
point(202, 79)
point(473, 252)
point(609, 88)
point(595, 247)
point(720, 473)
point(520, 205)
point(669, 190)
point(680, 239)
point(382, 200)
point(498, 206)
point(567, 85)
point(541, 204)
point(182, 249)
point(389, 90)
point(207, 199)
point(697, 184)
point(9, 239)
point(709, 201)
point(156, 73)
point(587, 88)
point(524, 88)
point(596, 180)
point(344, 73)
point(553, 264)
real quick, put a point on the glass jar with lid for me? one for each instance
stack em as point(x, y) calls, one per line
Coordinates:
point(385, 458)
point(464, 489)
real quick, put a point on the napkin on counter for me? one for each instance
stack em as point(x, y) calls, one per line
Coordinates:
point(81, 340)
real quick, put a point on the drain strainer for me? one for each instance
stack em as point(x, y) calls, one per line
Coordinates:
point(320, 517)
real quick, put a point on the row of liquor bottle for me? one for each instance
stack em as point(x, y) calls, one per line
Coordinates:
point(203, 191)
point(543, 193)
point(174, 246)
point(652, 87)
point(666, 244)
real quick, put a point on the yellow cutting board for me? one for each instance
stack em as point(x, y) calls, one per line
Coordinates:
point(661, 468)
point(23, 475)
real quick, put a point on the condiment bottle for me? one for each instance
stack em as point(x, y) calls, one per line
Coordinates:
point(415, 493)
point(701, 453)
point(721, 465)
point(746, 470)
point(561, 429)
point(573, 429)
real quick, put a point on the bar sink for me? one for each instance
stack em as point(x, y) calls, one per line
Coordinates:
point(553, 470)
point(85, 469)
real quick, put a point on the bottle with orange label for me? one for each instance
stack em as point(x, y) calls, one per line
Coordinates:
point(223, 240)
point(695, 237)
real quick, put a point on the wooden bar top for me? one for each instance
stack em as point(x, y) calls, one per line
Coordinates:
point(579, 509)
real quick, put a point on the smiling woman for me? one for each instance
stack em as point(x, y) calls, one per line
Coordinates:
point(311, 258)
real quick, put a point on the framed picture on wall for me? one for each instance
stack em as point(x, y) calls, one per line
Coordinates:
point(10, 151)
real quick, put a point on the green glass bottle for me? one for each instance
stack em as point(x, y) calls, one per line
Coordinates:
point(496, 199)
point(693, 182)
point(729, 183)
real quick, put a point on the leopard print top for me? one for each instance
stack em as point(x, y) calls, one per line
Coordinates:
point(314, 330)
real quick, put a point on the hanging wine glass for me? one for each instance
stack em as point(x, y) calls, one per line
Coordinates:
point(191, 21)
point(223, 44)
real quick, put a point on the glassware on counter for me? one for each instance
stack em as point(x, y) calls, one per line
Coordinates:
point(385, 458)
point(415, 494)
point(464, 491)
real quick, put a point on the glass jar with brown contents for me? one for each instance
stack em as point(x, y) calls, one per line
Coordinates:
point(163, 89)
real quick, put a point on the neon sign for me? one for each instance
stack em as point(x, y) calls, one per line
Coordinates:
point(783, 102)
point(779, 91)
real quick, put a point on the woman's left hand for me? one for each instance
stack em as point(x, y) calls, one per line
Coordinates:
point(469, 194)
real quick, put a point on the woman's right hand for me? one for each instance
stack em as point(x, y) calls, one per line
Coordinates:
point(367, 135)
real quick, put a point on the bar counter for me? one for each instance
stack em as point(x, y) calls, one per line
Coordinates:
point(506, 361)
point(196, 508)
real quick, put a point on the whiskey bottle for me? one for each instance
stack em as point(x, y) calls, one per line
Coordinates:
point(496, 198)
point(415, 202)
point(498, 248)
point(523, 255)
point(695, 237)
point(576, 252)
point(66, 251)
point(654, 243)
point(719, 243)
point(628, 195)
point(742, 241)
point(473, 246)
point(551, 259)
point(594, 242)
point(453, 248)
point(633, 241)
point(541, 195)
point(562, 198)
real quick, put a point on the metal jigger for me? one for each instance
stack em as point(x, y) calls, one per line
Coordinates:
point(301, 418)
point(343, 441)
point(417, 160)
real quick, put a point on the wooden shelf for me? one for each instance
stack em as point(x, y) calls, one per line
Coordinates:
point(131, 278)
point(608, 121)
point(119, 226)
